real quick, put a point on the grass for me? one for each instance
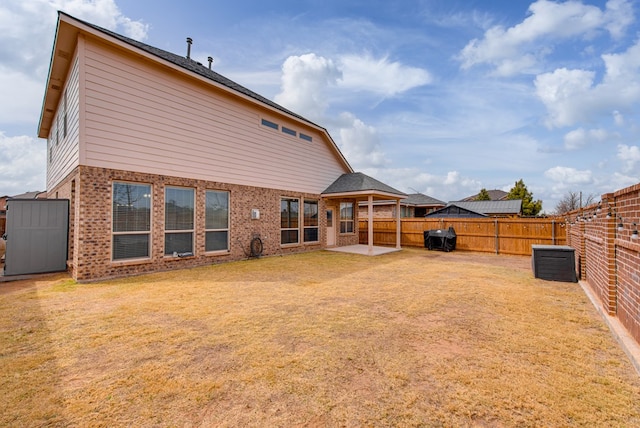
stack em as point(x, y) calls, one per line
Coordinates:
point(414, 338)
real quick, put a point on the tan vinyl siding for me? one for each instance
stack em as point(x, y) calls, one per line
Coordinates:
point(64, 150)
point(140, 117)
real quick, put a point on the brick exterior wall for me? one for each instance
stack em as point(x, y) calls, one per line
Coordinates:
point(90, 193)
point(607, 259)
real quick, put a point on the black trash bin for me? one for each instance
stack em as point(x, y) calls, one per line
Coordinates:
point(440, 239)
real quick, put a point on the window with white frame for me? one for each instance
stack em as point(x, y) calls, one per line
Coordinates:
point(178, 220)
point(217, 221)
point(131, 221)
point(310, 221)
point(289, 220)
point(346, 217)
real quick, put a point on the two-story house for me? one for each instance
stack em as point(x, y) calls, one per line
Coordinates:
point(168, 164)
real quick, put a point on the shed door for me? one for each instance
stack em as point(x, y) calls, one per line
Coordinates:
point(37, 235)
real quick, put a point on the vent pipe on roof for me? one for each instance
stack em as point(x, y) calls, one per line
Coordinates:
point(210, 61)
point(189, 41)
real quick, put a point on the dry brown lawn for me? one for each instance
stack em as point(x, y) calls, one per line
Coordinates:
point(414, 338)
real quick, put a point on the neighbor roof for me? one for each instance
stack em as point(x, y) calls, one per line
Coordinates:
point(454, 211)
point(28, 195)
point(495, 195)
point(360, 183)
point(510, 206)
point(418, 199)
point(414, 200)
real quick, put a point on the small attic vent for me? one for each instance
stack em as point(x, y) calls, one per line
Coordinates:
point(63, 54)
point(55, 87)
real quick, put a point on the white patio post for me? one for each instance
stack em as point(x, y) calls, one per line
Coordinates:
point(398, 226)
point(370, 224)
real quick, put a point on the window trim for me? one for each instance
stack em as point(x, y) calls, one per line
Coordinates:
point(269, 124)
point(228, 229)
point(304, 221)
point(297, 229)
point(289, 131)
point(176, 231)
point(351, 220)
point(148, 232)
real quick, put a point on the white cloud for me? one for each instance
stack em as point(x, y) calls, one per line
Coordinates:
point(23, 164)
point(104, 13)
point(517, 49)
point(380, 76)
point(566, 94)
point(571, 96)
point(360, 143)
point(620, 14)
point(620, 181)
point(618, 118)
point(580, 137)
point(27, 30)
point(569, 176)
point(305, 80)
point(21, 96)
point(630, 157)
point(450, 186)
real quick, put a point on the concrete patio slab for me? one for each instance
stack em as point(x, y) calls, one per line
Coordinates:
point(364, 250)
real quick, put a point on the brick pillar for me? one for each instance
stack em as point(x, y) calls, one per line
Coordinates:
point(609, 233)
point(583, 250)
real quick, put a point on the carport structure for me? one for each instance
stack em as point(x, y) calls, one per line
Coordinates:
point(361, 187)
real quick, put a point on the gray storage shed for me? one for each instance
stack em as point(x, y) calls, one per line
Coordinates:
point(37, 236)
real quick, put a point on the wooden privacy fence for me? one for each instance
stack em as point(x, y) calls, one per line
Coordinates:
point(491, 235)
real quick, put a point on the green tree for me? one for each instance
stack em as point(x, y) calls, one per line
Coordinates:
point(529, 206)
point(483, 195)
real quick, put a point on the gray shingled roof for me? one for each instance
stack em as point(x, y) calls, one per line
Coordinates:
point(194, 66)
point(359, 182)
point(27, 195)
point(495, 195)
point(512, 206)
point(454, 211)
point(418, 199)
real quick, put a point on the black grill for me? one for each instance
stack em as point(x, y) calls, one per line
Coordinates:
point(440, 239)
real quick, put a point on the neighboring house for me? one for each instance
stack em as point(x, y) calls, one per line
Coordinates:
point(415, 205)
point(167, 164)
point(495, 195)
point(469, 209)
point(30, 195)
point(3, 214)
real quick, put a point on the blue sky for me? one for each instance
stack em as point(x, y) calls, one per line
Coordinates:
point(442, 97)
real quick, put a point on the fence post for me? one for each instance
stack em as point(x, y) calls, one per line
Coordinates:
point(495, 226)
point(553, 232)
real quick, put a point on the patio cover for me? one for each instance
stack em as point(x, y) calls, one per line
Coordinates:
point(362, 187)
